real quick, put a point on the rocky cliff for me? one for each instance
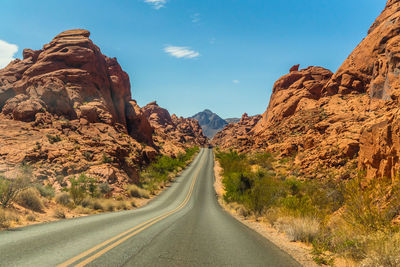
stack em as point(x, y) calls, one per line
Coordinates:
point(337, 120)
point(67, 109)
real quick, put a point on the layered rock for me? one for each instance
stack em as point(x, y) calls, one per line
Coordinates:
point(67, 109)
point(298, 90)
point(334, 122)
point(172, 135)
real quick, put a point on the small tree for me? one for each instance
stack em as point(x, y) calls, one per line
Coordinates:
point(9, 189)
point(81, 187)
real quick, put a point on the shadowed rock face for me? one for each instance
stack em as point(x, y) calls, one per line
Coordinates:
point(210, 122)
point(340, 120)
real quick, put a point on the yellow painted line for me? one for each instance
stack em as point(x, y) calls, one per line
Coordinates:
point(138, 229)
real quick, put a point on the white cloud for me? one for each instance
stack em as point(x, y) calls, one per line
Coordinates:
point(181, 52)
point(156, 4)
point(7, 52)
point(236, 81)
point(195, 17)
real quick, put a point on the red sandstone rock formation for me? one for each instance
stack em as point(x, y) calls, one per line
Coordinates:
point(67, 109)
point(340, 121)
point(237, 135)
point(172, 134)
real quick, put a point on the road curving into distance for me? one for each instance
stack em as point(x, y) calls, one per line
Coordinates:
point(184, 226)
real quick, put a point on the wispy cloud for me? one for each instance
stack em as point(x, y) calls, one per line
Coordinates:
point(195, 17)
point(156, 4)
point(181, 52)
point(236, 81)
point(213, 40)
point(7, 52)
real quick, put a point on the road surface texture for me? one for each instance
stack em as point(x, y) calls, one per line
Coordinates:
point(184, 226)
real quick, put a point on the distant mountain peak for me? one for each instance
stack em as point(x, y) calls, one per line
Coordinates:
point(210, 122)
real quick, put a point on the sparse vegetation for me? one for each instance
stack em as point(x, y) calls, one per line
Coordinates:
point(162, 171)
point(106, 158)
point(53, 138)
point(10, 188)
point(30, 198)
point(136, 191)
point(63, 198)
point(353, 218)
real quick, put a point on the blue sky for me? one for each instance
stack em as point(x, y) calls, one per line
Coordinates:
point(189, 55)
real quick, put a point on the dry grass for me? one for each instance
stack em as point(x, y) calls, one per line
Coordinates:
point(59, 214)
point(299, 229)
point(63, 198)
point(83, 210)
point(30, 199)
point(7, 218)
point(135, 191)
point(383, 251)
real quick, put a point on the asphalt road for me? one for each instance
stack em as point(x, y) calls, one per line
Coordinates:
point(184, 226)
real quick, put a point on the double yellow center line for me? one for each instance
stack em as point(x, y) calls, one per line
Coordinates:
point(127, 234)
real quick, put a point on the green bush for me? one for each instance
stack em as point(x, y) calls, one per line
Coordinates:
point(82, 187)
point(159, 171)
point(53, 138)
point(45, 191)
point(106, 158)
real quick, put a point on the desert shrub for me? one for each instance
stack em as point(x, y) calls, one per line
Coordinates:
point(53, 138)
point(10, 188)
point(133, 203)
point(63, 198)
point(299, 229)
point(45, 191)
point(123, 205)
point(87, 155)
point(104, 188)
point(30, 198)
point(368, 206)
point(87, 202)
point(109, 205)
point(82, 210)
point(384, 250)
point(7, 217)
point(98, 205)
point(4, 219)
point(136, 191)
point(59, 214)
point(161, 170)
point(106, 158)
point(31, 217)
point(81, 187)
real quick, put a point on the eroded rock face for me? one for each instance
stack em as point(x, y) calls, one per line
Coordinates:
point(373, 67)
point(237, 135)
point(67, 109)
point(172, 134)
point(295, 91)
point(331, 123)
